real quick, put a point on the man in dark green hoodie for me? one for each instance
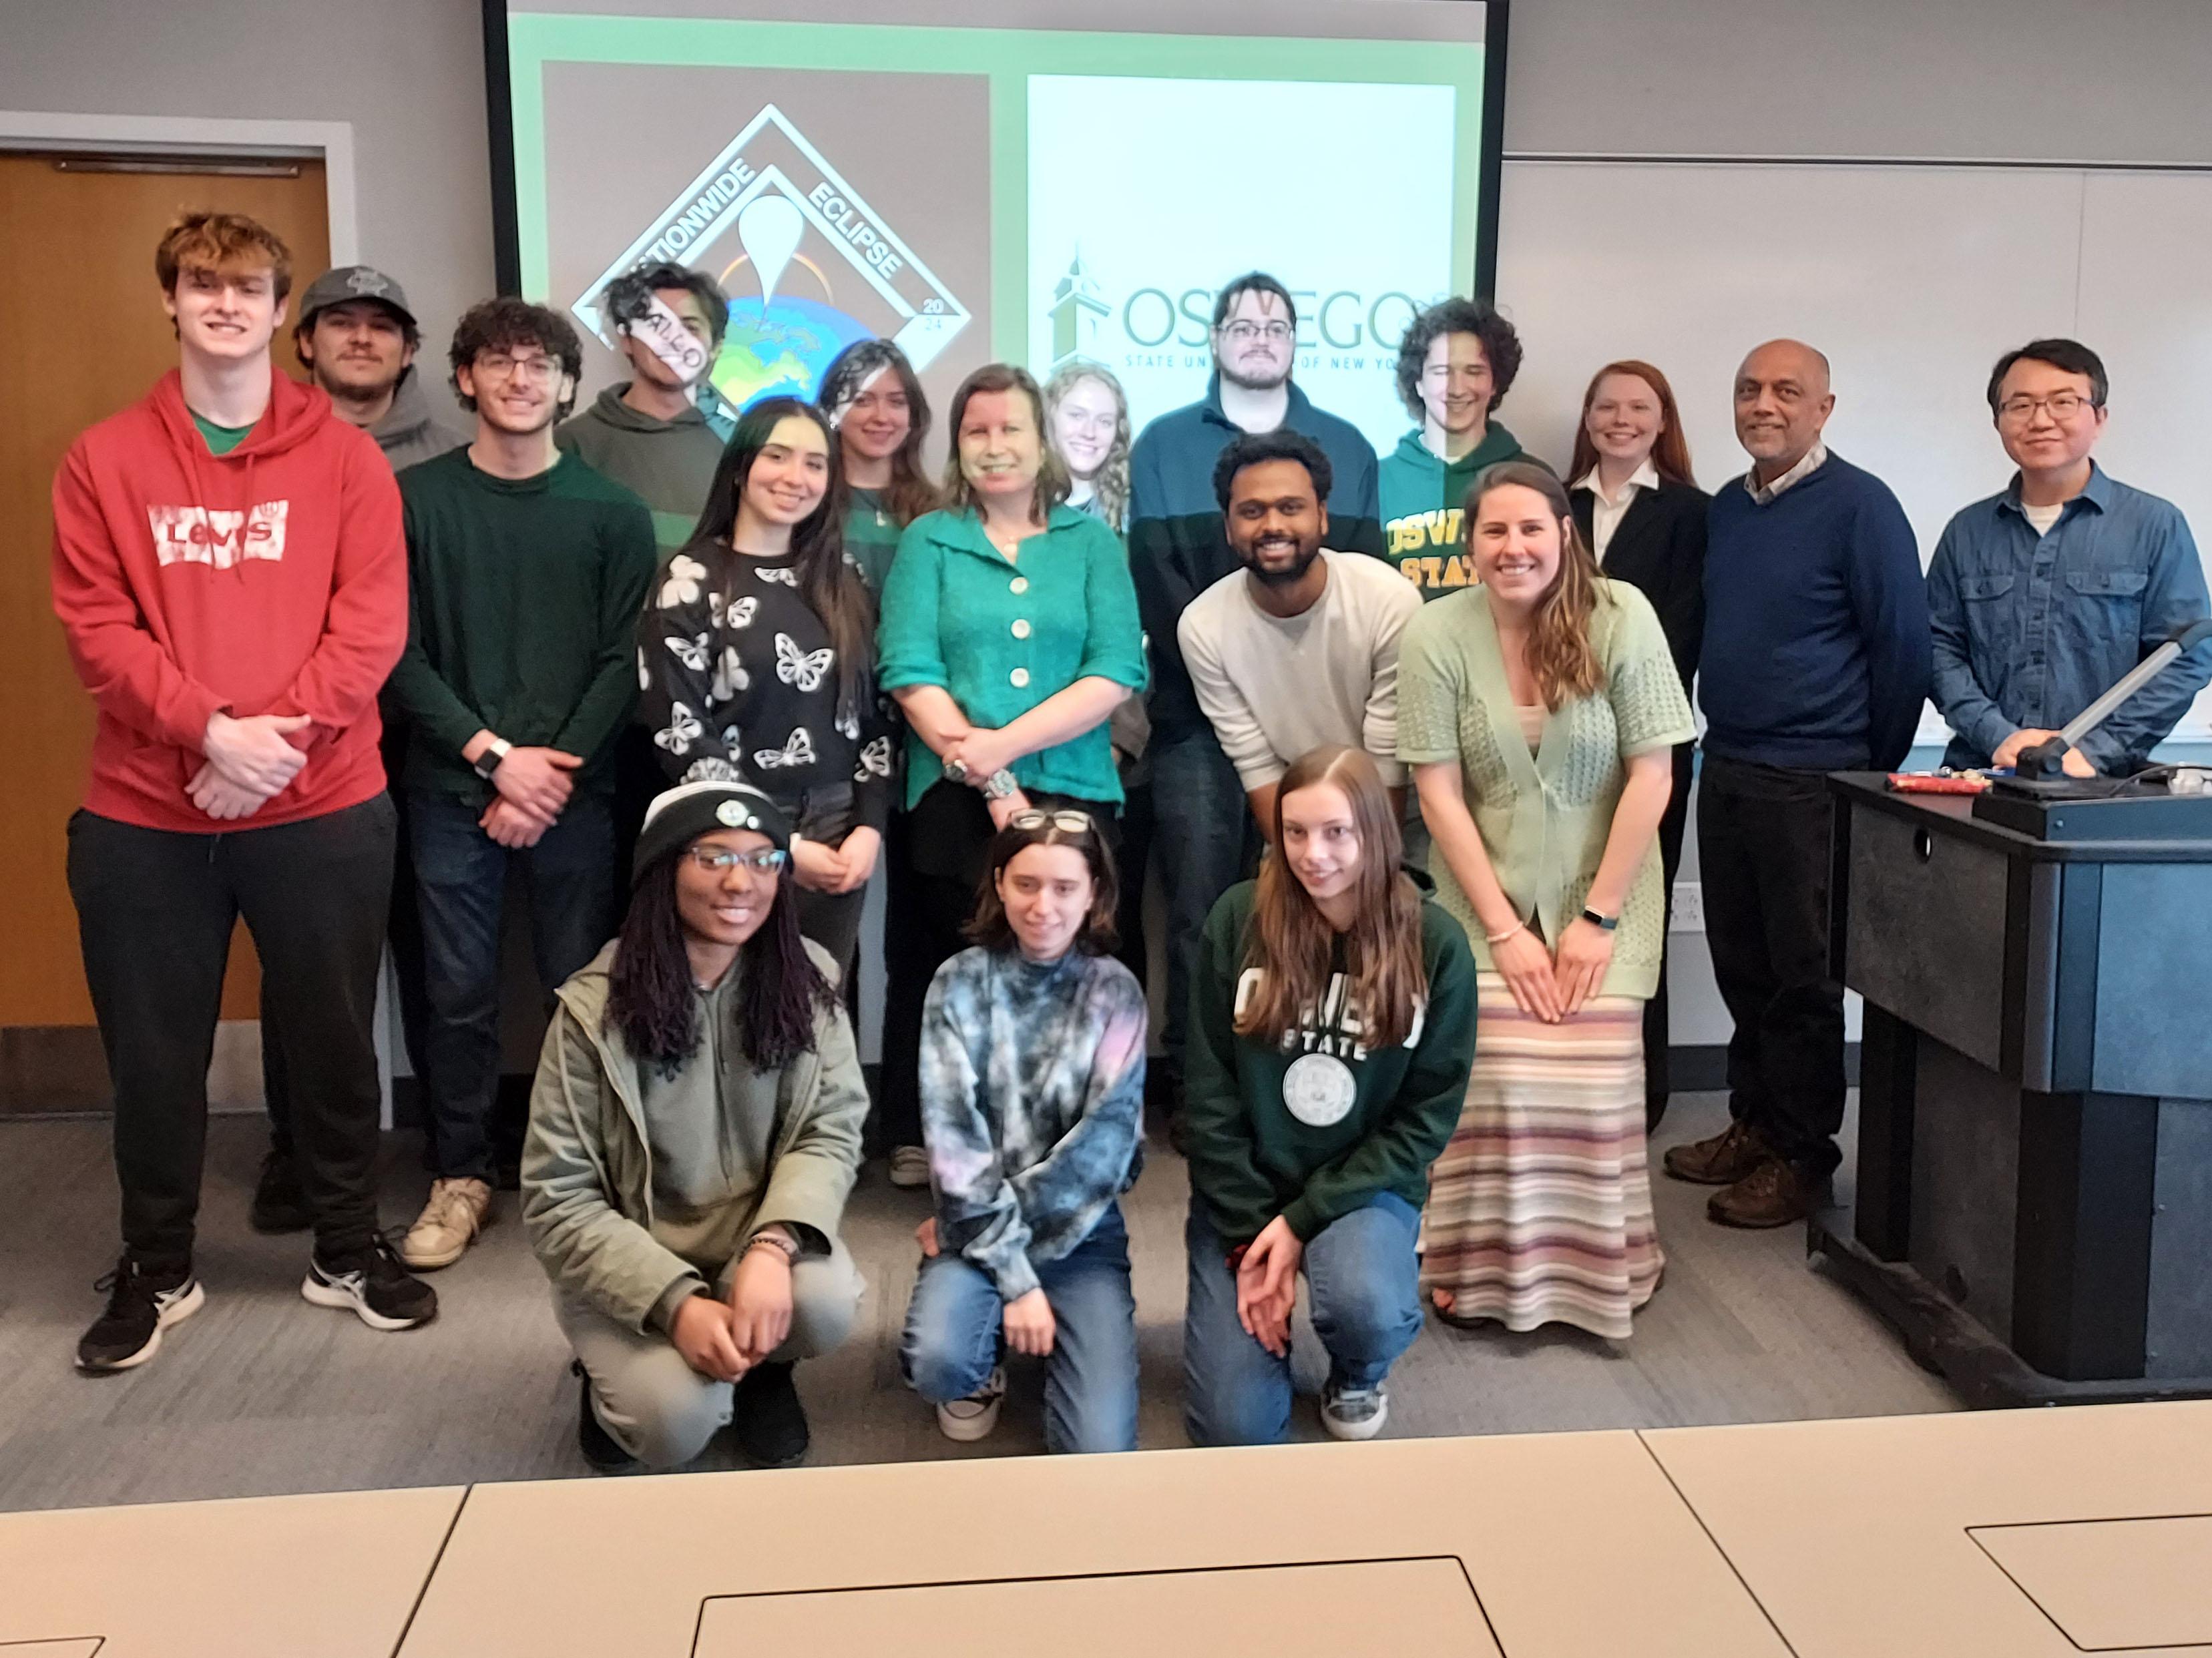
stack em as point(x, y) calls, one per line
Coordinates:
point(1456, 364)
point(646, 432)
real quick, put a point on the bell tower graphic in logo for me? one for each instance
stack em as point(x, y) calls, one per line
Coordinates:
point(808, 267)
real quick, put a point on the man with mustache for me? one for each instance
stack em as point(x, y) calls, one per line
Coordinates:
point(1300, 648)
point(1816, 658)
point(1176, 551)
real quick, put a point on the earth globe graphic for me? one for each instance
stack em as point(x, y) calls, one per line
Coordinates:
point(784, 352)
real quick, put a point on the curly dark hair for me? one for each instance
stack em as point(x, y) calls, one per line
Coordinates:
point(503, 324)
point(1251, 448)
point(651, 1002)
point(1500, 344)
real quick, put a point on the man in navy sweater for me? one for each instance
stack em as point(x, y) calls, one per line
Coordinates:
point(1205, 838)
point(1816, 658)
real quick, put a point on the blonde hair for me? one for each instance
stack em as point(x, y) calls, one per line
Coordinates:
point(1561, 658)
point(1111, 482)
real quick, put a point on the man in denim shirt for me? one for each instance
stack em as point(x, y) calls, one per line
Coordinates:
point(2041, 597)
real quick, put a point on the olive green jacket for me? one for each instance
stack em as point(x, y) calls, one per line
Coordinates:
point(587, 1164)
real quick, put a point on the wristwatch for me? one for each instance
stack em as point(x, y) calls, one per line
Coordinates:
point(487, 762)
point(1605, 923)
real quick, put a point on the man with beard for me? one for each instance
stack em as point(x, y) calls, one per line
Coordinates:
point(1300, 649)
point(1177, 550)
point(357, 338)
point(527, 572)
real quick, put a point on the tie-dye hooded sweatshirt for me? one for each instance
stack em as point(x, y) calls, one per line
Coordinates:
point(1032, 1104)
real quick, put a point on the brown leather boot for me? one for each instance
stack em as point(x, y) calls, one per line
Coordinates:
point(1773, 1194)
point(1723, 1160)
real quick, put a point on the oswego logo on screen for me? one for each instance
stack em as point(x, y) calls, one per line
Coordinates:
point(808, 265)
point(201, 535)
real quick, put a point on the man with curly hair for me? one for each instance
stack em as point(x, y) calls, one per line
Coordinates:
point(527, 572)
point(1456, 364)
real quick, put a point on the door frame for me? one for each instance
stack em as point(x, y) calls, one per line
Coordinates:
point(330, 141)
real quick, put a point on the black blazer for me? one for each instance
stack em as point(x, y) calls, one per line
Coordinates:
point(1659, 548)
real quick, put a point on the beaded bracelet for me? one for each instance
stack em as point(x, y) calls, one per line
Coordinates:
point(1494, 939)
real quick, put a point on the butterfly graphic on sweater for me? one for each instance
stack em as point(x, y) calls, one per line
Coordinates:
point(797, 750)
point(803, 669)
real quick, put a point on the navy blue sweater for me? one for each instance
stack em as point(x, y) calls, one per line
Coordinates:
point(1816, 647)
point(1176, 549)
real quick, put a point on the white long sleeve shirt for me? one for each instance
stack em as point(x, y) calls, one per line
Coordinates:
point(1274, 687)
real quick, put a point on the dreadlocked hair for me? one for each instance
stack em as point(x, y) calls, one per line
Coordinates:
point(653, 1004)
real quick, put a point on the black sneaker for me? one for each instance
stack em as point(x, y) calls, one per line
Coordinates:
point(771, 1423)
point(372, 1285)
point(279, 1203)
point(140, 1306)
point(600, 1448)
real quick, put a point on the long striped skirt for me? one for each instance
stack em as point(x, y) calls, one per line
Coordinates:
point(1540, 1209)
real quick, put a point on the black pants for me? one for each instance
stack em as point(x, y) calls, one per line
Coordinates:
point(1137, 822)
point(1763, 851)
point(154, 913)
point(1658, 1070)
point(942, 853)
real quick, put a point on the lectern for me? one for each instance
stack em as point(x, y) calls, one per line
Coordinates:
point(2034, 1191)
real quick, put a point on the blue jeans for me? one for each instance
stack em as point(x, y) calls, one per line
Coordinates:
point(1204, 841)
point(1362, 1279)
point(955, 1322)
point(460, 881)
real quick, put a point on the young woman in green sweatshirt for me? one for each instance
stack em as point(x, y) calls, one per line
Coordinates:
point(1332, 1027)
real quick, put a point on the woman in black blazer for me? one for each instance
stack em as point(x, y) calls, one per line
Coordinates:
point(1640, 510)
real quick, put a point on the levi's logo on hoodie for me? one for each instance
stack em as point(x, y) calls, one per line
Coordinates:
point(201, 535)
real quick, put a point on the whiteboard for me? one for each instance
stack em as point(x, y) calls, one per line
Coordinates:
point(1913, 279)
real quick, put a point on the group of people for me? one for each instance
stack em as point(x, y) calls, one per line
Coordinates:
point(1397, 739)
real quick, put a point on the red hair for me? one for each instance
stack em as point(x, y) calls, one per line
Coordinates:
point(1670, 455)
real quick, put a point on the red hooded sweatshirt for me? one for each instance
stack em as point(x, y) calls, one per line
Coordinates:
point(270, 580)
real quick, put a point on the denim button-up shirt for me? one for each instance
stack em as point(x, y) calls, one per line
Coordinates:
point(2029, 629)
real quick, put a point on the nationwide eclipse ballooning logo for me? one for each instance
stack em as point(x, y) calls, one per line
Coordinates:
point(808, 267)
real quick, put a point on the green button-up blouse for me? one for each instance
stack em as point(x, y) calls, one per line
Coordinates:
point(1001, 636)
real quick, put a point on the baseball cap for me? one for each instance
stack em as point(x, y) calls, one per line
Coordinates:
point(350, 283)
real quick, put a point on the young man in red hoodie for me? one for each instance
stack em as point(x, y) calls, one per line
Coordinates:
point(229, 571)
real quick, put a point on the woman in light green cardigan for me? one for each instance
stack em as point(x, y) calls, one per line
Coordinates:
point(1539, 709)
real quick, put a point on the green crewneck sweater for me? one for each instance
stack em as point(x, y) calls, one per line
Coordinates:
point(523, 598)
point(872, 536)
point(1316, 1127)
point(1422, 495)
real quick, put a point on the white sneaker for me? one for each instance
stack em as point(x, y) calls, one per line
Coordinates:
point(1354, 1412)
point(910, 1166)
point(457, 1212)
point(970, 1419)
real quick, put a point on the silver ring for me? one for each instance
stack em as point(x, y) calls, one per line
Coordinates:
point(957, 771)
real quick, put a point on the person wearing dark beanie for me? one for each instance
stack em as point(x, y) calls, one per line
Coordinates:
point(1815, 658)
point(694, 1131)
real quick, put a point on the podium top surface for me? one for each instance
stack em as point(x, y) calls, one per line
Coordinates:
point(2125, 829)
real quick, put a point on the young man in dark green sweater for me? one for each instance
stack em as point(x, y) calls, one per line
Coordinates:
point(1310, 1147)
point(1456, 364)
point(527, 572)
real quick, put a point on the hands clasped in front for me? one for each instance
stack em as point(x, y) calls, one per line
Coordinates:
point(245, 762)
point(1555, 984)
point(724, 1338)
point(533, 786)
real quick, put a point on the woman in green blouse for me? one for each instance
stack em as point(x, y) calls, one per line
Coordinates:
point(1009, 636)
point(1539, 710)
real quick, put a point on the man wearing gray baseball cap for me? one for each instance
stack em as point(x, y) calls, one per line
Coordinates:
point(356, 335)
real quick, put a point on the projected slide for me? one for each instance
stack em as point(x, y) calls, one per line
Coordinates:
point(1029, 194)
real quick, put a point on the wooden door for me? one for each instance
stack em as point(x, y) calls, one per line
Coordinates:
point(82, 335)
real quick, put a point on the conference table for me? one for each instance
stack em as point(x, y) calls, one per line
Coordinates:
point(2025, 1533)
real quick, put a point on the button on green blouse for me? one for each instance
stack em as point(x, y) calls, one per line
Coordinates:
point(1001, 636)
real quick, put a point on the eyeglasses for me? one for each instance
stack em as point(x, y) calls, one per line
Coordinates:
point(719, 860)
point(1068, 823)
point(499, 366)
point(1244, 332)
point(2062, 405)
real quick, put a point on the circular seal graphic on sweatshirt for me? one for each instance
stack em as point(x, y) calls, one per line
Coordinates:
point(1318, 1090)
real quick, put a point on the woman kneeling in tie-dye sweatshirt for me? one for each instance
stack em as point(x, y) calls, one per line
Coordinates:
point(1032, 1105)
